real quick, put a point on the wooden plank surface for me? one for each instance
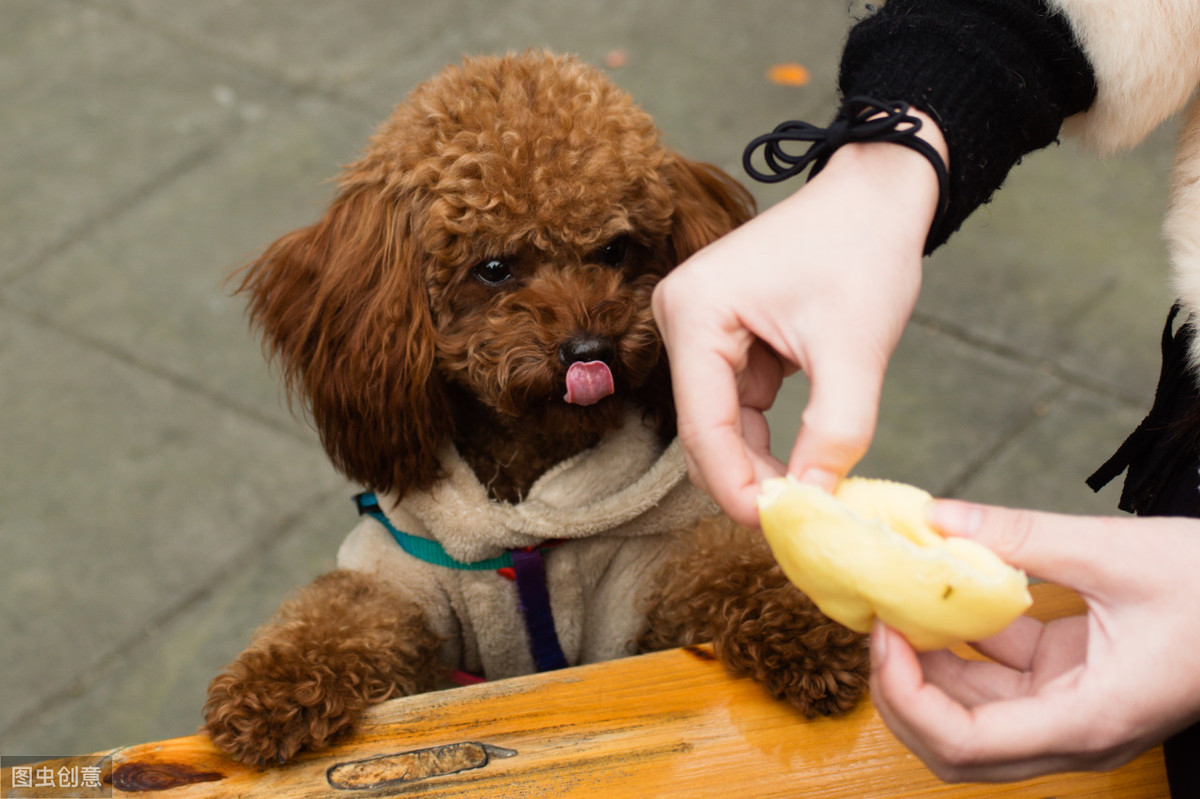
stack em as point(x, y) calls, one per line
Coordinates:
point(668, 724)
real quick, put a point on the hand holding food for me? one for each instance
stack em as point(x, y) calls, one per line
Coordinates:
point(867, 552)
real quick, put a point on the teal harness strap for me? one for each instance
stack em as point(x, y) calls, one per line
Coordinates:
point(425, 549)
point(524, 566)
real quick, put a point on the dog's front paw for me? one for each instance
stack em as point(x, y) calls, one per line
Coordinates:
point(347, 641)
point(798, 653)
point(267, 706)
point(813, 663)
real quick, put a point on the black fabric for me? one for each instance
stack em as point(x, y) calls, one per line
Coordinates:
point(998, 76)
point(1181, 753)
point(1162, 460)
point(1161, 454)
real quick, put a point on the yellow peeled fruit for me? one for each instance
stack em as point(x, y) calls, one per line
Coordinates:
point(867, 552)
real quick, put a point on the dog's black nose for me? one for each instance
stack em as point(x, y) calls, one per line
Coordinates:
point(586, 347)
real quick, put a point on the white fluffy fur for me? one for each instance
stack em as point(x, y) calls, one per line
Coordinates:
point(1146, 55)
point(1182, 226)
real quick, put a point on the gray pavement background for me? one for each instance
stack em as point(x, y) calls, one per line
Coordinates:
point(158, 500)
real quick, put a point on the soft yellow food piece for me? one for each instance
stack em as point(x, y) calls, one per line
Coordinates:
point(867, 551)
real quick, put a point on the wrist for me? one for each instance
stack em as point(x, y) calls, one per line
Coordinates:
point(929, 132)
point(870, 136)
point(900, 184)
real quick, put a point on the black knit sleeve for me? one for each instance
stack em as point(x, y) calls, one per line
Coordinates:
point(998, 76)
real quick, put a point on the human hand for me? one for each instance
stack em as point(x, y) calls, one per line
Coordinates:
point(1082, 693)
point(822, 282)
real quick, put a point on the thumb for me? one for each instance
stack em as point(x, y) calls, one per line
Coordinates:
point(838, 423)
point(1080, 552)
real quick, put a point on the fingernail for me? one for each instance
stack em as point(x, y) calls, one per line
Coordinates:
point(878, 643)
point(815, 476)
point(955, 517)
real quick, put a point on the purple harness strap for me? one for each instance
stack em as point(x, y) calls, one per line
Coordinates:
point(534, 599)
point(526, 569)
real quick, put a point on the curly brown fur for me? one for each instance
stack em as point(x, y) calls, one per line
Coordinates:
point(512, 216)
point(722, 585)
point(343, 643)
point(379, 316)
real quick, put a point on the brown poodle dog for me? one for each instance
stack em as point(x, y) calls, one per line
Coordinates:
point(469, 327)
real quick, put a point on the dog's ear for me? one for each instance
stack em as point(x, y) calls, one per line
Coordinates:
point(708, 204)
point(343, 310)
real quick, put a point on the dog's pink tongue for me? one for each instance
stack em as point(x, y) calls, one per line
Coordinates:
point(588, 383)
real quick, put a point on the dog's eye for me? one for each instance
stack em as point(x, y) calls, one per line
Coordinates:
point(615, 252)
point(493, 271)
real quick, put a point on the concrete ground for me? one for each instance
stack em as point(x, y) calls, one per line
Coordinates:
point(158, 500)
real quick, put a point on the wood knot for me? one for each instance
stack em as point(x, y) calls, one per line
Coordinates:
point(141, 777)
point(420, 764)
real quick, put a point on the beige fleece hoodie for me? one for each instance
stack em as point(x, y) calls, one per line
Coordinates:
point(616, 504)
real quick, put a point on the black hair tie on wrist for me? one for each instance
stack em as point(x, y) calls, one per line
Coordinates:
point(862, 123)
